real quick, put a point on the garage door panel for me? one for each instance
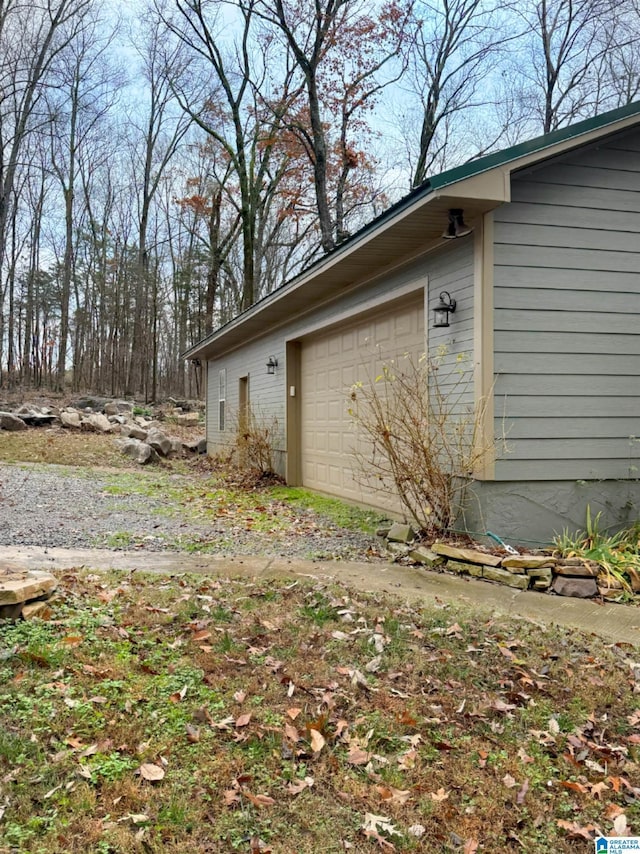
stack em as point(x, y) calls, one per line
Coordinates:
point(330, 365)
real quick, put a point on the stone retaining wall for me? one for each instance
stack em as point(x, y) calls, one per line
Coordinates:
point(543, 571)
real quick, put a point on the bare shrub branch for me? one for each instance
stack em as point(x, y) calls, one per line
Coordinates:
point(421, 435)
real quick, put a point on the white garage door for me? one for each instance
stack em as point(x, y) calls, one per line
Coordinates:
point(331, 363)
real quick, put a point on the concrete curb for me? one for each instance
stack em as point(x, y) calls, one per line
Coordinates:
point(613, 622)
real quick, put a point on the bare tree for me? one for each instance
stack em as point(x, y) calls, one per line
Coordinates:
point(452, 55)
point(340, 50)
point(572, 45)
point(156, 142)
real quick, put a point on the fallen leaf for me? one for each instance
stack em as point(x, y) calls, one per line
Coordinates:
point(72, 640)
point(291, 733)
point(243, 720)
point(240, 696)
point(470, 846)
point(374, 665)
point(620, 825)
point(151, 772)
point(300, 785)
point(357, 756)
point(407, 760)
point(576, 830)
point(523, 792)
point(231, 797)
point(439, 796)
point(258, 800)
point(293, 713)
point(317, 740)
point(597, 789)
point(394, 796)
point(509, 781)
point(575, 787)
point(379, 823)
point(193, 733)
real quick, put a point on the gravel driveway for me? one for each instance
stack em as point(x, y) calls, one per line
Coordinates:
point(57, 506)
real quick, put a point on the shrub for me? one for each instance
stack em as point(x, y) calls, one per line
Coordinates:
point(256, 437)
point(420, 435)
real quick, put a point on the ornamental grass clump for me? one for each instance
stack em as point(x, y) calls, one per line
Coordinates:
point(617, 553)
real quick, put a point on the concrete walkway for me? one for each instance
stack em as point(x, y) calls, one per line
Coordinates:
point(616, 623)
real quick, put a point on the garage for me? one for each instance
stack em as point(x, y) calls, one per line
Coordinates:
point(331, 362)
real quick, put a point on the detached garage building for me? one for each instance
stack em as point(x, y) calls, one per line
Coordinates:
point(547, 291)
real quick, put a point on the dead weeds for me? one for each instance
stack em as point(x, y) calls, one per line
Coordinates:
point(162, 715)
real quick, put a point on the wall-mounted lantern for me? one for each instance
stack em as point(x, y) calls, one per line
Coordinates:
point(272, 364)
point(446, 306)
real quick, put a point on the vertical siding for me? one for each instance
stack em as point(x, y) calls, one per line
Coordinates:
point(567, 313)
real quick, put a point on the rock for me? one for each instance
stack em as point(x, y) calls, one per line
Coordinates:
point(97, 404)
point(577, 569)
point(579, 588)
point(380, 532)
point(34, 609)
point(177, 448)
point(187, 419)
point(159, 441)
point(137, 450)
point(466, 555)
point(543, 574)
point(35, 416)
point(541, 584)
point(11, 612)
point(426, 557)
point(134, 432)
point(465, 568)
point(11, 422)
point(199, 446)
point(527, 561)
point(70, 418)
point(23, 586)
point(97, 423)
point(503, 576)
point(401, 533)
point(118, 407)
point(634, 576)
point(398, 549)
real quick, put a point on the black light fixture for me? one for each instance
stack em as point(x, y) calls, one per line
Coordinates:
point(441, 311)
point(457, 226)
point(272, 364)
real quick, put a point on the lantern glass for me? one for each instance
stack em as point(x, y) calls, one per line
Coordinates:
point(440, 316)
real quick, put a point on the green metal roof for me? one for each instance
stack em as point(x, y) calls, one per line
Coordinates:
point(539, 143)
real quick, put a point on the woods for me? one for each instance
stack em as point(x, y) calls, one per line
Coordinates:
point(161, 171)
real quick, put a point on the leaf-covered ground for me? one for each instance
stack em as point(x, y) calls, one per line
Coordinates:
point(151, 714)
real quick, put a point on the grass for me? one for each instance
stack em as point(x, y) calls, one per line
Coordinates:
point(299, 717)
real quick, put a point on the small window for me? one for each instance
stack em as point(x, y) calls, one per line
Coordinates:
point(222, 397)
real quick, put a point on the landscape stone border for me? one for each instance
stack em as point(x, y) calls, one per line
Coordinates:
point(542, 571)
point(25, 593)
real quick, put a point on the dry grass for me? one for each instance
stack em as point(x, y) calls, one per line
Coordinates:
point(58, 446)
point(294, 718)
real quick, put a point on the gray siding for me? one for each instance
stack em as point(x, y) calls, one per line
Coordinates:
point(566, 319)
point(266, 391)
point(450, 269)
